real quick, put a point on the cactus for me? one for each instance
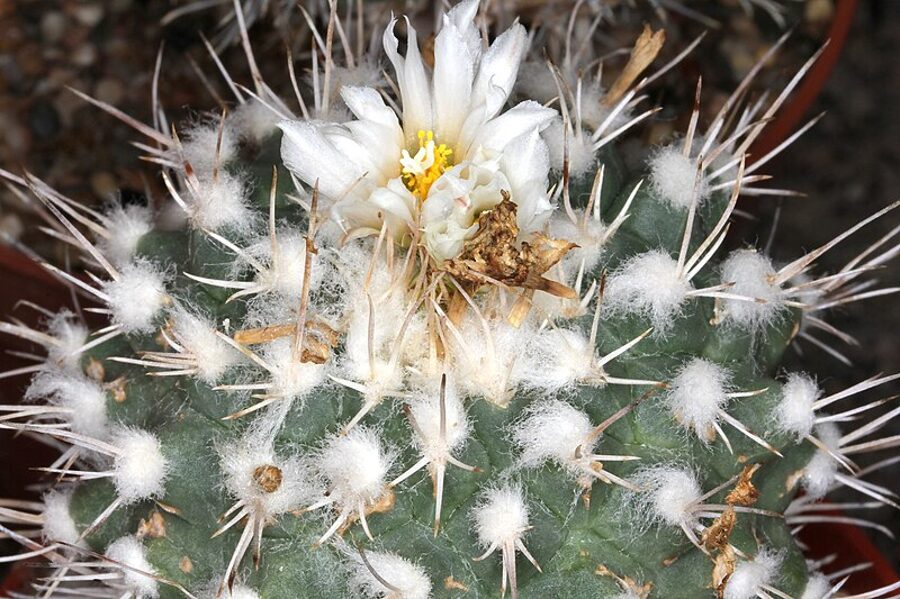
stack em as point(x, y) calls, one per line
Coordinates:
point(402, 349)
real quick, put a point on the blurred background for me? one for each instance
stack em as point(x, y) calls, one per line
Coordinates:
point(847, 166)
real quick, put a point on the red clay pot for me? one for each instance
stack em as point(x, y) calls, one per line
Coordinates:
point(803, 98)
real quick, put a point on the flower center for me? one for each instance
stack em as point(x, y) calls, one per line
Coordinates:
point(426, 166)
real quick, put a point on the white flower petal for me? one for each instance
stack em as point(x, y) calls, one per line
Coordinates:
point(396, 203)
point(462, 16)
point(526, 162)
point(498, 70)
point(454, 70)
point(522, 118)
point(415, 88)
point(313, 158)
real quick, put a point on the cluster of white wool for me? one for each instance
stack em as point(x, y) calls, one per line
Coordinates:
point(82, 398)
point(240, 591)
point(139, 466)
point(355, 466)
point(285, 263)
point(589, 234)
point(491, 358)
point(817, 587)
point(126, 225)
point(674, 178)
point(138, 575)
point(501, 516)
point(291, 378)
point(696, 394)
point(749, 577)
point(220, 202)
point(425, 409)
point(554, 430)
point(217, 196)
point(669, 496)
point(753, 276)
point(406, 579)
point(819, 474)
point(379, 305)
point(253, 121)
point(197, 336)
point(562, 146)
point(795, 413)
point(70, 335)
point(58, 524)
point(136, 296)
point(242, 460)
point(648, 284)
point(560, 358)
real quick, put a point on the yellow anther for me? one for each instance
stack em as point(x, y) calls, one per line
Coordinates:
point(426, 166)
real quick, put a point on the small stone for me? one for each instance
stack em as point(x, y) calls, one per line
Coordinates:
point(53, 26)
point(89, 14)
point(84, 56)
point(110, 91)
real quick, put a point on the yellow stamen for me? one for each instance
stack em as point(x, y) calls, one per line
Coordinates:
point(426, 166)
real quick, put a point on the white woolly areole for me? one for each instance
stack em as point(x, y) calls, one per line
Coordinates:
point(202, 141)
point(670, 494)
point(795, 414)
point(562, 357)
point(408, 578)
point(589, 238)
point(85, 399)
point(501, 516)
point(356, 465)
point(817, 587)
point(749, 577)
point(136, 297)
point(820, 472)
point(553, 430)
point(197, 335)
point(286, 271)
point(221, 202)
point(291, 378)
point(241, 463)
point(58, 522)
point(426, 411)
point(648, 284)
point(254, 121)
point(491, 363)
point(697, 393)
point(752, 274)
point(139, 468)
point(71, 335)
point(388, 312)
point(581, 149)
point(673, 177)
point(130, 552)
point(126, 226)
point(240, 591)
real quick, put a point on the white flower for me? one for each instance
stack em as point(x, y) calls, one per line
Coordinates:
point(449, 155)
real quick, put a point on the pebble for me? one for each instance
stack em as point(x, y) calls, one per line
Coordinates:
point(89, 15)
point(53, 26)
point(109, 90)
point(84, 56)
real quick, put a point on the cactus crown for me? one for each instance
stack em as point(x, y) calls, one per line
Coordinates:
point(399, 348)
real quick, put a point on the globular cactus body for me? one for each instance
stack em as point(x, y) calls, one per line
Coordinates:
point(398, 365)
